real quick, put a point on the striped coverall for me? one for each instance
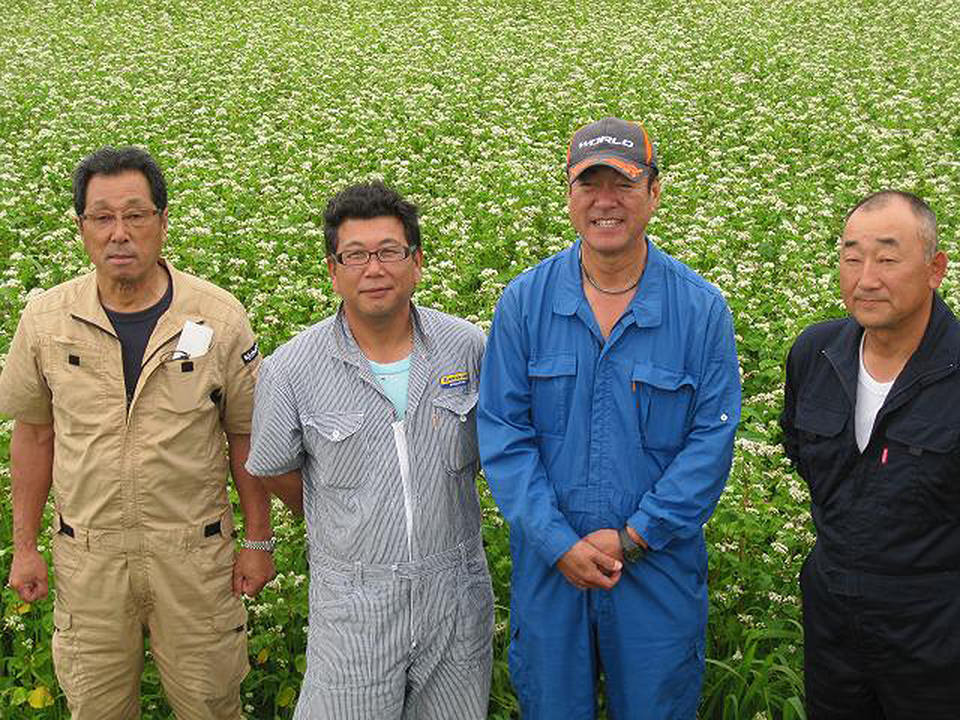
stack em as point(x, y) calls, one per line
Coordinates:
point(401, 606)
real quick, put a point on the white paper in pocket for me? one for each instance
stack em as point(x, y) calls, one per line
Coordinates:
point(194, 340)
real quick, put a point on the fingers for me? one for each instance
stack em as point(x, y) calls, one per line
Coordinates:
point(605, 562)
point(29, 579)
point(588, 568)
point(31, 592)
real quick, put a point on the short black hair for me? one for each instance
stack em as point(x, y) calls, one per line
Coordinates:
point(921, 210)
point(363, 202)
point(113, 161)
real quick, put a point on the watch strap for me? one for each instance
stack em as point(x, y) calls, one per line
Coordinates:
point(265, 545)
point(632, 551)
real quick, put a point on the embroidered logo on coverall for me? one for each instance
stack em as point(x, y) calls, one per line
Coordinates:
point(453, 380)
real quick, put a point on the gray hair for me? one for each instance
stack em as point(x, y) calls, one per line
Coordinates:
point(926, 218)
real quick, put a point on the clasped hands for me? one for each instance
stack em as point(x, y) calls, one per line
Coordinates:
point(595, 562)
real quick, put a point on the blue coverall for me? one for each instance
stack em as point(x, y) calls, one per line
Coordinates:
point(578, 433)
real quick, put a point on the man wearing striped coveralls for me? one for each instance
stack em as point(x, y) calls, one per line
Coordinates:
point(375, 407)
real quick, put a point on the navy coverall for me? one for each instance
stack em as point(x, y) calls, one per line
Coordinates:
point(881, 588)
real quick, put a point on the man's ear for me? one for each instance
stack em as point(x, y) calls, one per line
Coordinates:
point(938, 268)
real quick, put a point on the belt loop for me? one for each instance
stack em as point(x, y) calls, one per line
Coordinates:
point(463, 554)
point(358, 573)
point(86, 539)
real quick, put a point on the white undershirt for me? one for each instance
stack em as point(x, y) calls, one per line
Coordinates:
point(870, 397)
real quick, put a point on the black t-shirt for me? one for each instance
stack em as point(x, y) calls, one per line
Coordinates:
point(134, 330)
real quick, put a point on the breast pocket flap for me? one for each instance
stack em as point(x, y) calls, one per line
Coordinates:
point(817, 420)
point(920, 435)
point(662, 378)
point(552, 366)
point(458, 403)
point(335, 426)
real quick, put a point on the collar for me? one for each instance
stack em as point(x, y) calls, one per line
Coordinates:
point(939, 348)
point(344, 346)
point(646, 304)
point(86, 305)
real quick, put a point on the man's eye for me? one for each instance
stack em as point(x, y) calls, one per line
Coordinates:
point(134, 216)
point(102, 219)
point(355, 256)
point(391, 254)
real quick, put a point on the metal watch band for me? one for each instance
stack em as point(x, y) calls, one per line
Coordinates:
point(265, 545)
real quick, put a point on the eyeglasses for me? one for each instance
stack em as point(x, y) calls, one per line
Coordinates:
point(391, 254)
point(103, 221)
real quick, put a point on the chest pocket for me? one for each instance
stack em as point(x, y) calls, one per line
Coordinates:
point(455, 422)
point(186, 385)
point(74, 371)
point(552, 381)
point(664, 400)
point(926, 468)
point(337, 446)
point(823, 452)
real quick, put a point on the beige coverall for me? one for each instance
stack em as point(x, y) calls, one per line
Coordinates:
point(143, 541)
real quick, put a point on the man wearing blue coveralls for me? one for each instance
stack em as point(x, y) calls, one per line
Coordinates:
point(609, 400)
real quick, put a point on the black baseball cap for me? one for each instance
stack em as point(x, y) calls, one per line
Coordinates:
point(621, 145)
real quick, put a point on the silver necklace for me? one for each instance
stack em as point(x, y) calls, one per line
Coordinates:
point(605, 291)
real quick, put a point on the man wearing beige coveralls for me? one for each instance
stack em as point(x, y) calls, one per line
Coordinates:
point(123, 384)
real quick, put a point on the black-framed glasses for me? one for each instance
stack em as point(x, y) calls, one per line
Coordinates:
point(101, 220)
point(391, 254)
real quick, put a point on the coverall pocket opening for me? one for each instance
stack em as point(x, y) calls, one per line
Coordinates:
point(664, 399)
point(69, 557)
point(929, 450)
point(474, 629)
point(552, 379)
point(77, 385)
point(67, 661)
point(456, 425)
point(213, 560)
point(819, 427)
point(226, 652)
point(336, 442)
point(331, 590)
point(186, 386)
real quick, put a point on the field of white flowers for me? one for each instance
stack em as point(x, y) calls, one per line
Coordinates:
point(771, 117)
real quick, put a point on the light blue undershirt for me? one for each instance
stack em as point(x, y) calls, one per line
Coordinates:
point(394, 378)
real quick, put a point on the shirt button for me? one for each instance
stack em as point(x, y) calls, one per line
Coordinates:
point(335, 435)
point(463, 418)
point(724, 417)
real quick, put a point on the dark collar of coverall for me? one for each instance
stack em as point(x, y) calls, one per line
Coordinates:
point(936, 356)
point(184, 306)
point(646, 302)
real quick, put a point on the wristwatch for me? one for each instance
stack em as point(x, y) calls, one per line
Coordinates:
point(265, 545)
point(632, 552)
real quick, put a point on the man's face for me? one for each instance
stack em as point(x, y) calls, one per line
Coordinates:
point(377, 290)
point(609, 210)
point(123, 250)
point(885, 281)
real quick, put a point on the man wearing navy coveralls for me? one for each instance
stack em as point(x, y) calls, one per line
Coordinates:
point(609, 400)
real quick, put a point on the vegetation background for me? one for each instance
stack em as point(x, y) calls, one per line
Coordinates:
point(772, 117)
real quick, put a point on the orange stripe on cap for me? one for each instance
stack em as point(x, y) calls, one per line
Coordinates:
point(647, 146)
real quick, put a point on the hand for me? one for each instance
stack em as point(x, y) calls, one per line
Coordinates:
point(28, 575)
point(252, 569)
point(586, 567)
point(606, 541)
